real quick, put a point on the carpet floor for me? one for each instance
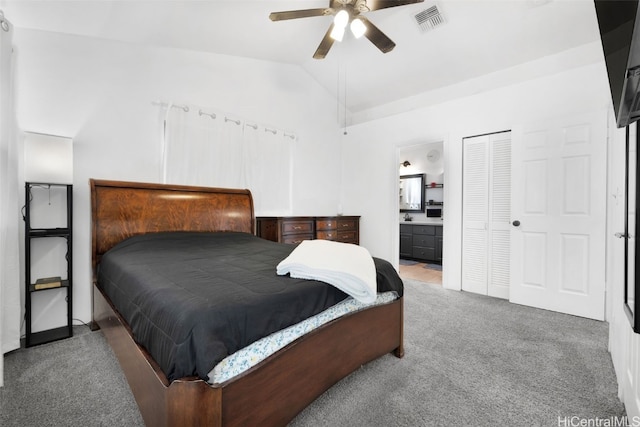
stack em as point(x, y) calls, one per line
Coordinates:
point(469, 361)
point(73, 382)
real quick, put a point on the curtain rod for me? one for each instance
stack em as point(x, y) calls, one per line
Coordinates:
point(238, 122)
point(184, 108)
point(202, 113)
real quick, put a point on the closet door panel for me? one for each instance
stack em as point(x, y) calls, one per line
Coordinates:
point(475, 212)
point(486, 244)
point(499, 215)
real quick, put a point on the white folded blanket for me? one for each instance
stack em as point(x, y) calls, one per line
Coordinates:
point(348, 267)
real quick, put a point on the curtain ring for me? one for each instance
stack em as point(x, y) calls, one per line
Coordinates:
point(3, 23)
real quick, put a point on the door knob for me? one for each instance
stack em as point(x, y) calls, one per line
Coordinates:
point(516, 223)
point(621, 235)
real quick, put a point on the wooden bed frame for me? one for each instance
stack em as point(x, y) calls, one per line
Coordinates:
point(273, 392)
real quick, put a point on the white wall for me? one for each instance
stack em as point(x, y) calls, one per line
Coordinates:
point(374, 145)
point(100, 93)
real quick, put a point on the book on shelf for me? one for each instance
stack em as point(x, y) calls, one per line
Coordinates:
point(48, 282)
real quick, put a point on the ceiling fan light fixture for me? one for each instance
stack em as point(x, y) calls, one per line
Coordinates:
point(348, 12)
point(341, 19)
point(337, 33)
point(340, 22)
point(358, 28)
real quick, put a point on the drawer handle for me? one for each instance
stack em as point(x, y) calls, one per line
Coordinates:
point(345, 225)
point(297, 227)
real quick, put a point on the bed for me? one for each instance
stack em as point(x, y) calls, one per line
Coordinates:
point(277, 388)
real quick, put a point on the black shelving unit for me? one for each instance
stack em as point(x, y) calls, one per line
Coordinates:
point(65, 232)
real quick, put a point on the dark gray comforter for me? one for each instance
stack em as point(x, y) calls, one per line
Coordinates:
point(191, 299)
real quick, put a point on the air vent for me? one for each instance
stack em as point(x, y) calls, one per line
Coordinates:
point(429, 18)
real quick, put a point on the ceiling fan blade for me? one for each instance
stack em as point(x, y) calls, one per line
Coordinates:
point(325, 45)
point(384, 4)
point(294, 14)
point(377, 37)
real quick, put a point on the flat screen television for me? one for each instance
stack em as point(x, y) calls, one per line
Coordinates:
point(619, 26)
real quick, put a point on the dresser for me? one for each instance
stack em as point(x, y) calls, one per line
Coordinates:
point(421, 242)
point(295, 229)
point(339, 228)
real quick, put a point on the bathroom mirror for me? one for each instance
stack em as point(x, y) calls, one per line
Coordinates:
point(412, 193)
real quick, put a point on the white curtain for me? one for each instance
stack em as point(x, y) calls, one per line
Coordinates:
point(10, 306)
point(268, 153)
point(227, 161)
point(202, 148)
point(180, 147)
point(214, 149)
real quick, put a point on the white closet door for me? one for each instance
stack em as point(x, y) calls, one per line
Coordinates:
point(475, 214)
point(486, 214)
point(499, 215)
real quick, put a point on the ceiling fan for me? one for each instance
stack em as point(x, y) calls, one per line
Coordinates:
point(347, 12)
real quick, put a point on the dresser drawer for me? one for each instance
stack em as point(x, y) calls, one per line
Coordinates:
point(347, 224)
point(297, 227)
point(296, 238)
point(327, 235)
point(348, 237)
point(326, 224)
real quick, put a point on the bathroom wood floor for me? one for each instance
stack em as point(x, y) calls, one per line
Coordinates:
point(419, 272)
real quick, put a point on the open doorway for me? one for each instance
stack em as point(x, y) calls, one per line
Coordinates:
point(420, 205)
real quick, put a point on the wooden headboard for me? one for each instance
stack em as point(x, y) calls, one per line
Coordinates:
point(120, 210)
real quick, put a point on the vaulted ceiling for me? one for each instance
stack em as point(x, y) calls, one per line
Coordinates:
point(478, 37)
